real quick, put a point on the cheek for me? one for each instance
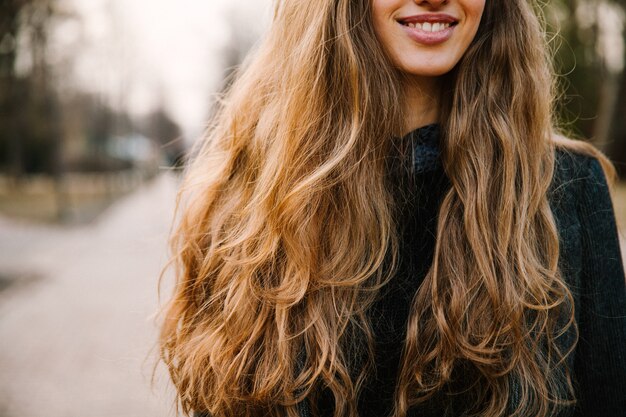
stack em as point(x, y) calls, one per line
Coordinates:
point(474, 9)
point(384, 23)
point(379, 6)
point(383, 12)
point(380, 9)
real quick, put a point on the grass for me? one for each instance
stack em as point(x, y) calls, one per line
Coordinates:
point(78, 198)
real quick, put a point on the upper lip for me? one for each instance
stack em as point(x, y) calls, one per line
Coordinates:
point(428, 17)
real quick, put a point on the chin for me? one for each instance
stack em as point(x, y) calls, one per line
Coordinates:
point(427, 72)
point(426, 69)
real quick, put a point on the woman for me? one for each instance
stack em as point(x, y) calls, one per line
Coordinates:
point(382, 221)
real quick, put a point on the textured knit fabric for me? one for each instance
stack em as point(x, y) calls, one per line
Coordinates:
point(425, 148)
point(589, 258)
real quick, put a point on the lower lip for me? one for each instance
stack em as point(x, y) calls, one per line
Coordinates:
point(428, 38)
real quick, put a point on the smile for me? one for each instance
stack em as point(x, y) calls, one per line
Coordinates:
point(429, 28)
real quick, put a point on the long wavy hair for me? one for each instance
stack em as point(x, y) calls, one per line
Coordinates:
point(287, 225)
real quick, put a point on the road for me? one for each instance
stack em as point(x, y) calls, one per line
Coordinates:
point(77, 316)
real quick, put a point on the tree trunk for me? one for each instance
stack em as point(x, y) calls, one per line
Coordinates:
point(607, 110)
point(617, 149)
point(9, 25)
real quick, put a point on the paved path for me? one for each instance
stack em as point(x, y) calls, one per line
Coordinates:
point(77, 326)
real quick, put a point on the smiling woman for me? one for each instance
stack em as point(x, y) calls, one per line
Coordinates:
point(427, 40)
point(382, 221)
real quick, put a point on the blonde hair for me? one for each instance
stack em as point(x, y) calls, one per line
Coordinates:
point(287, 225)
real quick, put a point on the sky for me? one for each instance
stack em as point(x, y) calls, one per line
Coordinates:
point(140, 53)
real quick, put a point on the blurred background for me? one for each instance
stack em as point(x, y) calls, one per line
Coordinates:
point(99, 101)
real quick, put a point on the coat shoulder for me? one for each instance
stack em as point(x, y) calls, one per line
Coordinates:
point(571, 168)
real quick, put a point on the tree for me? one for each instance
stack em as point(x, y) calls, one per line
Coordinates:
point(590, 54)
point(10, 146)
point(160, 127)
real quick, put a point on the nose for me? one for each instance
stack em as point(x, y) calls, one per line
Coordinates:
point(432, 3)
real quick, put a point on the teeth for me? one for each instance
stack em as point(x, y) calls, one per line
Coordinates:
point(429, 27)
